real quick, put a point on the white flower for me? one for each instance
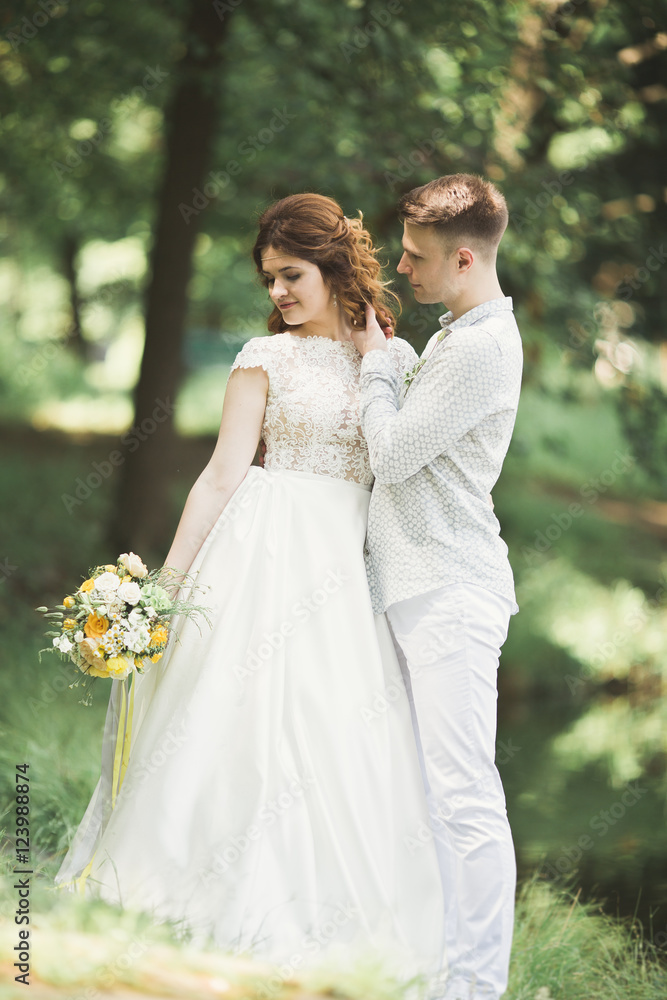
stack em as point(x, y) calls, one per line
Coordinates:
point(130, 592)
point(133, 564)
point(136, 638)
point(63, 643)
point(150, 611)
point(136, 617)
point(107, 583)
point(79, 636)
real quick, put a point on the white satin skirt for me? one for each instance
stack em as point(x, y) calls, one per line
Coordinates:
point(273, 803)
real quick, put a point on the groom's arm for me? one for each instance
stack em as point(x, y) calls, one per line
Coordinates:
point(457, 389)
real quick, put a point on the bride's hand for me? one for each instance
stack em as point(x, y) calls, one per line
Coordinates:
point(171, 581)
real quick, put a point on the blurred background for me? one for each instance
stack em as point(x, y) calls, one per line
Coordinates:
point(138, 144)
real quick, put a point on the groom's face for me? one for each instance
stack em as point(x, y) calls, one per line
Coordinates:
point(426, 264)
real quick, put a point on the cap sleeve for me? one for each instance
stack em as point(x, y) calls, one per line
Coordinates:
point(255, 354)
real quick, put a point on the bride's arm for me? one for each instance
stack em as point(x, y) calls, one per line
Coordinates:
point(240, 431)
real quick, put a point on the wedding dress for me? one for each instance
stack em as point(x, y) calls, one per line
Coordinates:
point(273, 801)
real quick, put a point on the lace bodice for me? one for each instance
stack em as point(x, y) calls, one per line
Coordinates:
point(312, 421)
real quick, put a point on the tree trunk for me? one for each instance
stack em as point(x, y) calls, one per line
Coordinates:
point(75, 334)
point(141, 515)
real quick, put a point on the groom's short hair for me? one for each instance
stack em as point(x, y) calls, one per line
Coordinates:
point(459, 207)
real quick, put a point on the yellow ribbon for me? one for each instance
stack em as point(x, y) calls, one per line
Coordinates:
point(120, 762)
point(123, 742)
point(80, 882)
point(127, 740)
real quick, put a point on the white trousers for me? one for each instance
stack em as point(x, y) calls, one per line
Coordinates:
point(448, 644)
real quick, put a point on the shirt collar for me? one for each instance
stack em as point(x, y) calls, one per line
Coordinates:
point(489, 308)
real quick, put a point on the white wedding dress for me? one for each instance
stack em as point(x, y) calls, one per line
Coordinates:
point(273, 801)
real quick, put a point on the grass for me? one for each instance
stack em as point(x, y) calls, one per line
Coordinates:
point(82, 948)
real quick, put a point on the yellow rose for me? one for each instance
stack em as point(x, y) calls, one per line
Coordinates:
point(96, 625)
point(95, 664)
point(133, 564)
point(87, 585)
point(87, 649)
point(97, 671)
point(100, 671)
point(118, 667)
point(126, 579)
point(69, 623)
point(110, 569)
point(159, 636)
point(69, 602)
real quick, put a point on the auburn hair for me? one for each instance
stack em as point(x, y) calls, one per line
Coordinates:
point(314, 228)
point(458, 206)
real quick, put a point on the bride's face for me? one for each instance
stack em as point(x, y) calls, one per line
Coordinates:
point(297, 287)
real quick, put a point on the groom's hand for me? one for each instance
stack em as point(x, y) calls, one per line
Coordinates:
point(373, 338)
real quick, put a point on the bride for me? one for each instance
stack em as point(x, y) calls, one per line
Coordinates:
point(273, 802)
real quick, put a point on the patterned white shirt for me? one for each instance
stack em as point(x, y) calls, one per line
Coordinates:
point(436, 449)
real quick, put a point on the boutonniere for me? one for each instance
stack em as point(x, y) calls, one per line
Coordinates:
point(409, 376)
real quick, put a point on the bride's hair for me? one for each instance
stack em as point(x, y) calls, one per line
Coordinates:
point(313, 227)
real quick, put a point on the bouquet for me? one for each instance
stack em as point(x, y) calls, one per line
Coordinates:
point(117, 620)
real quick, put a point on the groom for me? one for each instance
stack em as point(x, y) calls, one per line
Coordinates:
point(436, 563)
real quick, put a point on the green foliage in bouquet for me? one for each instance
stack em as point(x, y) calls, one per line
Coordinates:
point(118, 618)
